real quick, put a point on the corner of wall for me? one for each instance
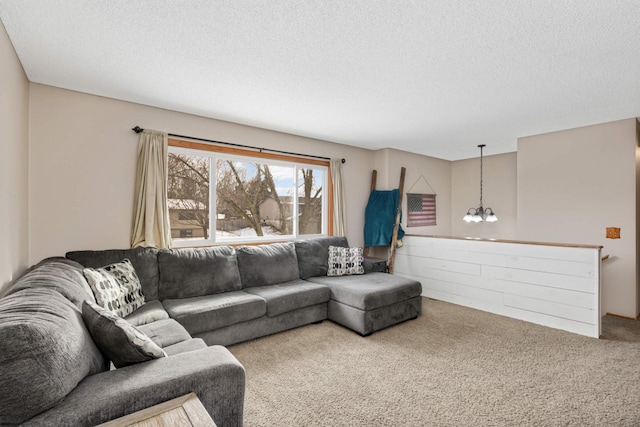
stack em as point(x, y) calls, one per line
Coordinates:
point(14, 162)
point(381, 165)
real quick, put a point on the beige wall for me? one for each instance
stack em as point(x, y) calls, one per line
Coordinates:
point(82, 166)
point(14, 146)
point(572, 185)
point(499, 193)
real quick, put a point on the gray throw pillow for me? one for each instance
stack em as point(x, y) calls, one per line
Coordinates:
point(120, 341)
point(116, 287)
point(345, 261)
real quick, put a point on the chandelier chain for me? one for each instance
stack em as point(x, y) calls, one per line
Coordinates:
point(481, 147)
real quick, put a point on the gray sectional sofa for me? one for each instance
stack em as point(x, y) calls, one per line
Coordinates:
point(198, 300)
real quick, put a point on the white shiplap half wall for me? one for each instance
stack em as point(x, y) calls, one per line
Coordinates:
point(551, 285)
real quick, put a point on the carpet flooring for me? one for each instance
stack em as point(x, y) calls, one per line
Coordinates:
point(453, 366)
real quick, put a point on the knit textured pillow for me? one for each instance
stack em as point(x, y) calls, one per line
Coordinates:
point(116, 287)
point(345, 261)
point(119, 340)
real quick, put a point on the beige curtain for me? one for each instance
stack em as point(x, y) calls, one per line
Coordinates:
point(339, 199)
point(151, 211)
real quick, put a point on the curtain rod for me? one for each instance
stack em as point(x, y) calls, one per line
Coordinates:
point(138, 129)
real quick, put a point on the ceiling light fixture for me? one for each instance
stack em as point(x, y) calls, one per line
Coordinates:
point(480, 214)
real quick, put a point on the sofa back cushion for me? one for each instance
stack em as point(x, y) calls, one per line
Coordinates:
point(45, 351)
point(59, 274)
point(144, 260)
point(267, 264)
point(194, 272)
point(313, 254)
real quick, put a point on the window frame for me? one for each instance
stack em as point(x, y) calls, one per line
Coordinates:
point(215, 152)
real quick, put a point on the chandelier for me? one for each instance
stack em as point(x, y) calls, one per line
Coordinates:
point(480, 213)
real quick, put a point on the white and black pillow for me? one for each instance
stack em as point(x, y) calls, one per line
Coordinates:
point(120, 341)
point(116, 287)
point(345, 261)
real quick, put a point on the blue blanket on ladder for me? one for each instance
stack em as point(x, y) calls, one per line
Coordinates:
point(380, 216)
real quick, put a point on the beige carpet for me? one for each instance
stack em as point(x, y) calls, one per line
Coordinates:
point(453, 366)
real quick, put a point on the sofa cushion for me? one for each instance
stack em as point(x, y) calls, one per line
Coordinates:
point(116, 287)
point(284, 297)
point(45, 351)
point(184, 346)
point(267, 264)
point(345, 261)
point(122, 342)
point(370, 291)
point(193, 272)
point(144, 260)
point(313, 254)
point(60, 274)
point(165, 332)
point(207, 313)
point(151, 311)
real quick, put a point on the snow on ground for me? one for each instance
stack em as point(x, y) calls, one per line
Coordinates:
point(248, 232)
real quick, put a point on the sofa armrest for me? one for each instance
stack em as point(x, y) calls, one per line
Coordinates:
point(212, 373)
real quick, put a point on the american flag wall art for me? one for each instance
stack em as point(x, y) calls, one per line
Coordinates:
point(421, 209)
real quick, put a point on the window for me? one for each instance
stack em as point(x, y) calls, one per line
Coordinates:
point(243, 196)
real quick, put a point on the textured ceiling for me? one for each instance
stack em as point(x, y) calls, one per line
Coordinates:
point(432, 77)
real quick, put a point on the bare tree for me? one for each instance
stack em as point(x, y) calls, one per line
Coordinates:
point(237, 195)
point(270, 187)
point(188, 189)
point(310, 204)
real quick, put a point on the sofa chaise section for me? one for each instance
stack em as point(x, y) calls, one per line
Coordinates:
point(373, 301)
point(364, 303)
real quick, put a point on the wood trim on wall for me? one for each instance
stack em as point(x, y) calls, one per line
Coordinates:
point(519, 242)
point(623, 317)
point(243, 152)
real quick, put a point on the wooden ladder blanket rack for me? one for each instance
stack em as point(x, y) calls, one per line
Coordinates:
point(396, 225)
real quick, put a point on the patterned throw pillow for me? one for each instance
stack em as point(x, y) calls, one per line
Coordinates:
point(116, 287)
point(120, 341)
point(345, 261)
